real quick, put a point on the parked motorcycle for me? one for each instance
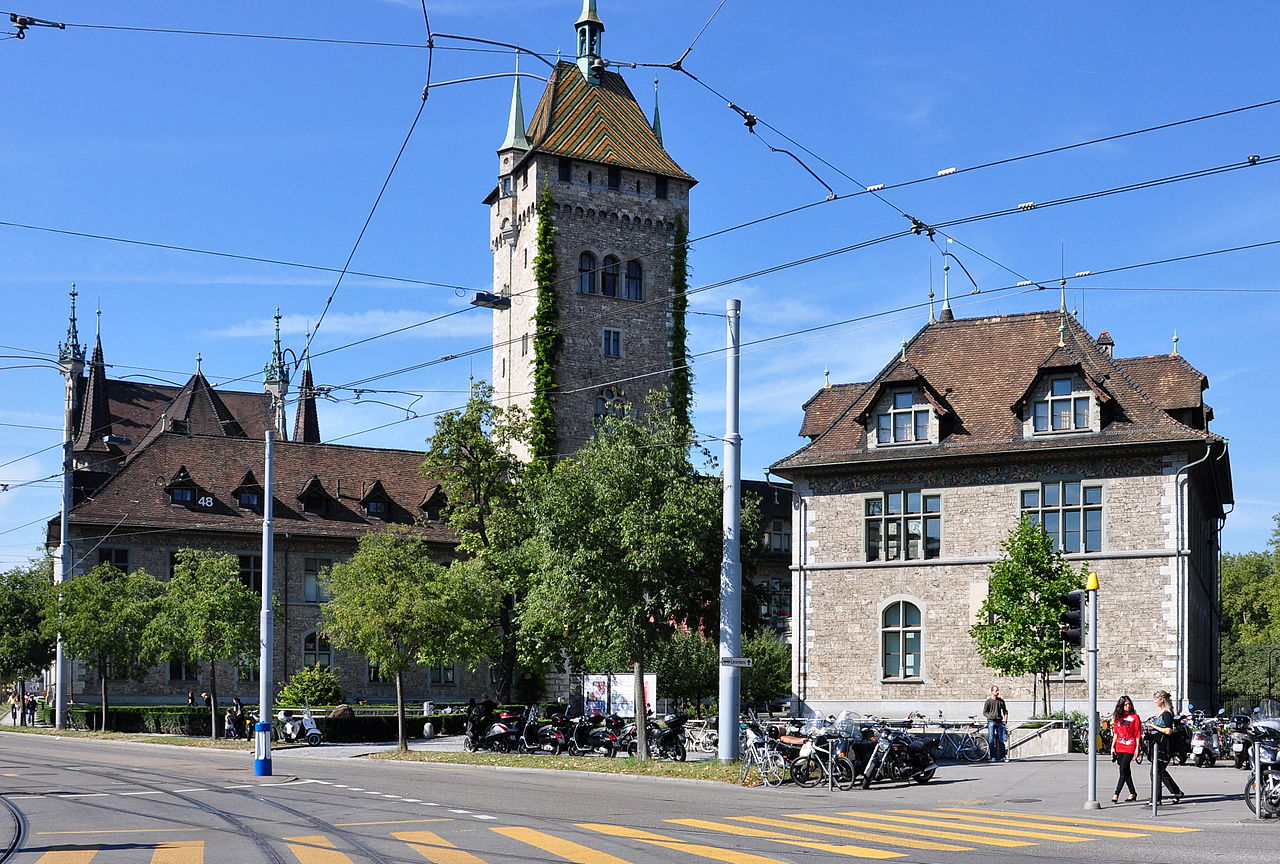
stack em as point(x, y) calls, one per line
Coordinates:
point(1266, 745)
point(1204, 742)
point(899, 757)
point(1241, 743)
point(540, 737)
point(589, 734)
point(294, 729)
point(500, 734)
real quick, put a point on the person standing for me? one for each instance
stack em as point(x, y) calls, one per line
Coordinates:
point(997, 714)
point(229, 724)
point(1162, 726)
point(1126, 730)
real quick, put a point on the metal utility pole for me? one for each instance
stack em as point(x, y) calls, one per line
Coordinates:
point(62, 565)
point(262, 730)
point(1091, 589)
point(730, 564)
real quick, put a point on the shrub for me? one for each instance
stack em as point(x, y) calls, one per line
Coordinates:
point(312, 685)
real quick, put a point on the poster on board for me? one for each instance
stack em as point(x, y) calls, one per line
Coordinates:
point(615, 694)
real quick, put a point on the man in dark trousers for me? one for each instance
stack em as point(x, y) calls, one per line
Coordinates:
point(997, 714)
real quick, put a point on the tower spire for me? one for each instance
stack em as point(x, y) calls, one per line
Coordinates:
point(946, 314)
point(516, 138)
point(657, 118)
point(1062, 312)
point(589, 29)
point(71, 350)
point(275, 380)
point(306, 425)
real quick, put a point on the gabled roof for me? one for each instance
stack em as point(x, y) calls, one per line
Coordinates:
point(982, 366)
point(899, 373)
point(220, 466)
point(598, 123)
point(95, 419)
point(1168, 379)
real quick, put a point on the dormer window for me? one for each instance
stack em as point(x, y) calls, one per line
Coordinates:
point(376, 508)
point(248, 494)
point(248, 500)
point(1063, 410)
point(182, 495)
point(904, 422)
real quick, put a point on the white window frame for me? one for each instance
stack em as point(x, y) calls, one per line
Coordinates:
point(610, 342)
point(901, 515)
point(899, 632)
point(890, 430)
point(1062, 399)
point(312, 591)
point(1053, 511)
point(321, 653)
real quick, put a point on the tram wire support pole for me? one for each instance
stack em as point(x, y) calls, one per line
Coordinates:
point(1091, 589)
point(731, 564)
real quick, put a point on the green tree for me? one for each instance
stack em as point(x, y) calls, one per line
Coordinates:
point(686, 666)
point(1250, 635)
point(769, 677)
point(1019, 632)
point(26, 593)
point(472, 455)
point(312, 685)
point(209, 615)
point(397, 607)
point(109, 618)
point(629, 538)
point(547, 339)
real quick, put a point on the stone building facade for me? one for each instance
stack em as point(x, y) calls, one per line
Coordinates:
point(161, 468)
point(911, 482)
point(616, 200)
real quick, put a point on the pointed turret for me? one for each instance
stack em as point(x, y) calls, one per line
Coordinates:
point(306, 427)
point(95, 419)
point(275, 380)
point(515, 139)
point(71, 351)
point(657, 118)
point(589, 29)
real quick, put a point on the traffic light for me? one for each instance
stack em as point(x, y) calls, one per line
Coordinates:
point(1072, 629)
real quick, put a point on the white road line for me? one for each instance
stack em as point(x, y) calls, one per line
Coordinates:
point(413, 801)
point(463, 812)
point(190, 790)
point(148, 792)
point(341, 786)
point(482, 816)
point(84, 794)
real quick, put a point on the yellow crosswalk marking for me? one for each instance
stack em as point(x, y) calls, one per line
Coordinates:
point(855, 835)
point(566, 849)
point(1077, 821)
point(789, 839)
point(178, 852)
point(316, 849)
point(67, 856)
point(985, 829)
point(435, 848)
point(1026, 823)
point(913, 830)
point(714, 853)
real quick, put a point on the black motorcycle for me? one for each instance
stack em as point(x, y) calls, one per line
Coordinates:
point(540, 737)
point(587, 734)
point(1266, 748)
point(500, 734)
point(667, 741)
point(899, 757)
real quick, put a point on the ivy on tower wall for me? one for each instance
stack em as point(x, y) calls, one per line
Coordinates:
point(681, 373)
point(546, 339)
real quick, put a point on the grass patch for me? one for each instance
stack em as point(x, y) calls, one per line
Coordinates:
point(172, 740)
point(710, 769)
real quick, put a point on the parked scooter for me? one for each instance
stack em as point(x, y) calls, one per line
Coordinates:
point(1241, 743)
point(1204, 742)
point(294, 729)
point(899, 756)
point(500, 734)
point(1266, 747)
point(589, 734)
point(539, 737)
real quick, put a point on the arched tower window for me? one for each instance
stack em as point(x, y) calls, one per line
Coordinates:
point(586, 273)
point(609, 277)
point(609, 403)
point(635, 280)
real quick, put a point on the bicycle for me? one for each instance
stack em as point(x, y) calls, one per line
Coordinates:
point(760, 754)
point(970, 746)
point(820, 761)
point(702, 736)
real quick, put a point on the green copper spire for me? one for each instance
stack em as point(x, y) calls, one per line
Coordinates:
point(589, 29)
point(277, 370)
point(71, 349)
point(516, 139)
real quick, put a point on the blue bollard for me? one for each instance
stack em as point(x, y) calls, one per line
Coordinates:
point(262, 749)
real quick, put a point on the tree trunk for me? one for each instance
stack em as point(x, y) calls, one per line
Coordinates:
point(507, 660)
point(642, 715)
point(102, 686)
point(401, 738)
point(213, 699)
point(22, 702)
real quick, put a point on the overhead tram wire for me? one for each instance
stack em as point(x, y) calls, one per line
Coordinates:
point(1207, 172)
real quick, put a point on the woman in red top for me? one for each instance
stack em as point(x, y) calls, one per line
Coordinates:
point(1126, 729)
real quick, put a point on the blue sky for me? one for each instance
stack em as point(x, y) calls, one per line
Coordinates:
point(278, 149)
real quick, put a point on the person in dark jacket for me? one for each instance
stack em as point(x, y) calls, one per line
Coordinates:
point(1162, 727)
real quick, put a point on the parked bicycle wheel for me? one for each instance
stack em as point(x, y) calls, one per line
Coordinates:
point(974, 748)
point(806, 771)
point(773, 770)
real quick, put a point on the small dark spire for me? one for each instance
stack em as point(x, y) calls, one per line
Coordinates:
point(306, 426)
point(95, 421)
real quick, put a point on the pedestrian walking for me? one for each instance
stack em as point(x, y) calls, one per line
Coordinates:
point(191, 698)
point(13, 709)
point(997, 714)
point(237, 708)
point(1126, 730)
point(229, 725)
point(1162, 727)
point(208, 700)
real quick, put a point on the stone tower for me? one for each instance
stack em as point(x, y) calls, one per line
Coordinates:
point(615, 200)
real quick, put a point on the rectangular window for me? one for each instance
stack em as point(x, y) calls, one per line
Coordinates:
point(615, 178)
point(376, 508)
point(116, 557)
point(903, 526)
point(312, 591)
point(248, 500)
point(611, 343)
point(376, 676)
point(1069, 511)
point(524, 345)
point(660, 188)
point(251, 572)
point(443, 675)
point(182, 496)
point(182, 671)
point(778, 537)
point(566, 170)
point(904, 422)
point(248, 674)
point(1063, 411)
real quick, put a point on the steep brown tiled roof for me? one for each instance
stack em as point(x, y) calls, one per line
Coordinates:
point(218, 465)
point(197, 409)
point(982, 366)
point(1169, 380)
point(95, 420)
point(306, 426)
point(598, 123)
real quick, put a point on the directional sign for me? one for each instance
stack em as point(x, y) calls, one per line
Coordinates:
point(740, 662)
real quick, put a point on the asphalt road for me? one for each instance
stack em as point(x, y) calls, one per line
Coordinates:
point(104, 802)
